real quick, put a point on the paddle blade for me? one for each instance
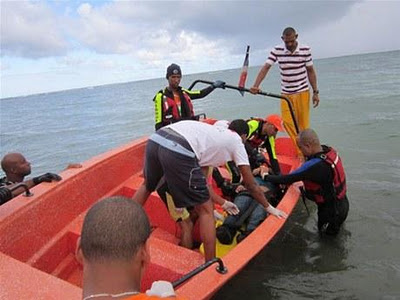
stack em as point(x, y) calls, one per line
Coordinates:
point(243, 73)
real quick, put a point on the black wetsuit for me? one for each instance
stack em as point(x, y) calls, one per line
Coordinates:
point(331, 213)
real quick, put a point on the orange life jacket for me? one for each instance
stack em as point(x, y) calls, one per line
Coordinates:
point(171, 113)
point(314, 190)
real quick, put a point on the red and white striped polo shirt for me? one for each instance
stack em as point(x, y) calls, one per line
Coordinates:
point(292, 67)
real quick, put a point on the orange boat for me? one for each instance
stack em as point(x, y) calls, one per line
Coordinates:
point(39, 233)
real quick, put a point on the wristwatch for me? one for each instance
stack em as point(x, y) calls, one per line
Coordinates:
point(316, 92)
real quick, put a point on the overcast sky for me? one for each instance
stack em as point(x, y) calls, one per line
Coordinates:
point(57, 45)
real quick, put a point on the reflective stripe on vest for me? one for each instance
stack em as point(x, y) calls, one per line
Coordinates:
point(255, 128)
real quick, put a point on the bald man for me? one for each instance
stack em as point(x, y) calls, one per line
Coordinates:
point(114, 251)
point(16, 167)
point(324, 181)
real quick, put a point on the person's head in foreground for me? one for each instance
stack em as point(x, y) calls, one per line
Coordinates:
point(113, 247)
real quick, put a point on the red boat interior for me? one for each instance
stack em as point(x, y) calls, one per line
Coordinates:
point(42, 231)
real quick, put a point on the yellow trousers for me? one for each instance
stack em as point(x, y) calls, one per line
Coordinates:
point(301, 107)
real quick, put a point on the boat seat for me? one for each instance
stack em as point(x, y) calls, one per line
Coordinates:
point(169, 262)
point(180, 259)
point(164, 235)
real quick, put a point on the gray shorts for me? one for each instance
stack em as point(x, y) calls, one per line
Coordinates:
point(168, 154)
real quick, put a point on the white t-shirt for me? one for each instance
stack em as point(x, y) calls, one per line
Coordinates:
point(213, 145)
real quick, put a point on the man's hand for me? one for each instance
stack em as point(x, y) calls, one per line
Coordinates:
point(315, 99)
point(276, 212)
point(254, 90)
point(230, 208)
point(48, 177)
point(218, 84)
point(240, 188)
point(264, 171)
point(256, 171)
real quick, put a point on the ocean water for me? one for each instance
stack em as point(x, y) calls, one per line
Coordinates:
point(359, 115)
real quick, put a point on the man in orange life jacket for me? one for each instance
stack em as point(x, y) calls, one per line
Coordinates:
point(324, 181)
point(174, 103)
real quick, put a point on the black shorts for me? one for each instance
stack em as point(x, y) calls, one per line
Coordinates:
point(183, 175)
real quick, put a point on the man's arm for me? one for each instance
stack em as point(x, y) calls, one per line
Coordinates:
point(226, 205)
point(5, 195)
point(312, 78)
point(269, 144)
point(257, 193)
point(260, 77)
point(30, 183)
point(313, 170)
point(284, 179)
point(197, 94)
point(158, 111)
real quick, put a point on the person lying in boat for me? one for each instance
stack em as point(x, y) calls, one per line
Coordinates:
point(174, 103)
point(114, 251)
point(16, 167)
point(262, 134)
point(324, 181)
point(183, 152)
point(251, 213)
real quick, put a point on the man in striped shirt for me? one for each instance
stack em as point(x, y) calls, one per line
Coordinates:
point(296, 69)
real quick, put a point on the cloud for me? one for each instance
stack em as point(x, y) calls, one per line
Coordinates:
point(84, 9)
point(101, 41)
point(29, 29)
point(4, 66)
point(367, 27)
point(217, 31)
point(133, 28)
point(259, 23)
point(122, 27)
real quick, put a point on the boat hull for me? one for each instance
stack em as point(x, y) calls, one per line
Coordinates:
point(39, 233)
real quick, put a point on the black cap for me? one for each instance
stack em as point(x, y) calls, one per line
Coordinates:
point(173, 69)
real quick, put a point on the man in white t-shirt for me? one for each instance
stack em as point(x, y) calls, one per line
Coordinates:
point(182, 153)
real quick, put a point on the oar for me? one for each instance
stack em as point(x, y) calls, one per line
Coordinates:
point(267, 94)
